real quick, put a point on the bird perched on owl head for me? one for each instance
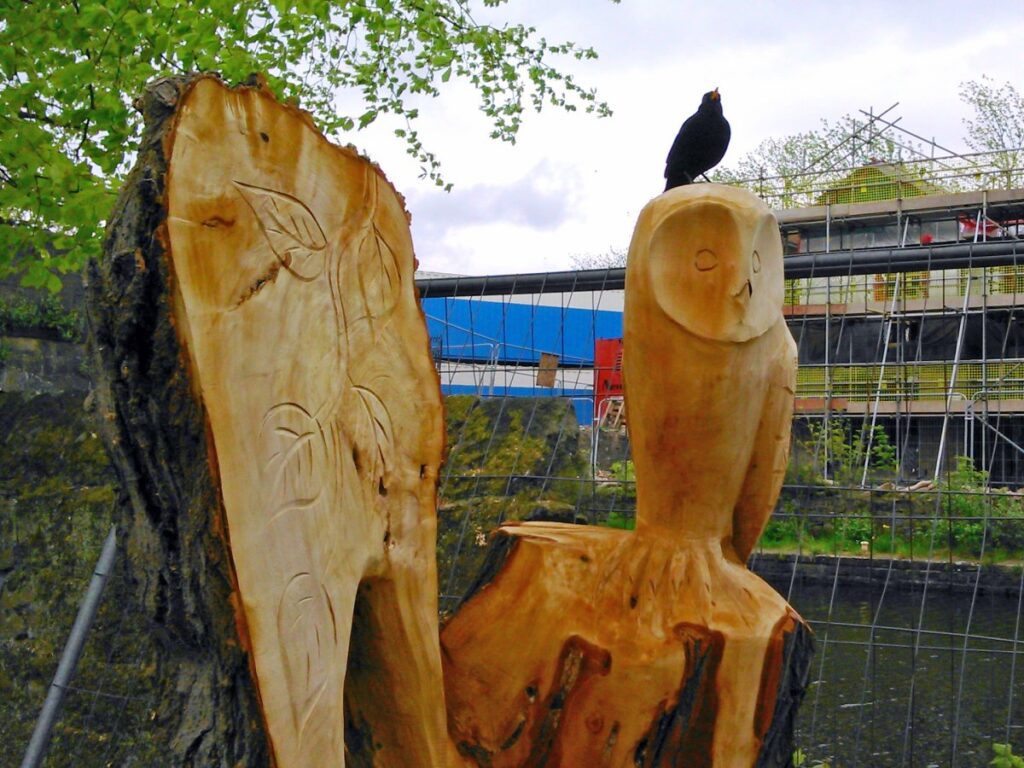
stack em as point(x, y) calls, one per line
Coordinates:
point(700, 144)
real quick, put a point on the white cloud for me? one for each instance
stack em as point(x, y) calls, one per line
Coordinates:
point(542, 199)
point(781, 67)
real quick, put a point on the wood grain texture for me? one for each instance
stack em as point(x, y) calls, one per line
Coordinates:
point(657, 647)
point(287, 269)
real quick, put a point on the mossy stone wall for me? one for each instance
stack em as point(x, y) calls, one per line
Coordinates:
point(57, 496)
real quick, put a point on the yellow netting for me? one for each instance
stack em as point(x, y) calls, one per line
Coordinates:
point(937, 285)
point(917, 381)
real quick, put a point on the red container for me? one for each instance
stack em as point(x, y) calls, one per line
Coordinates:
point(607, 372)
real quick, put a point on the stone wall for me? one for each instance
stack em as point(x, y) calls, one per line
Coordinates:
point(41, 358)
point(942, 576)
point(57, 496)
point(39, 365)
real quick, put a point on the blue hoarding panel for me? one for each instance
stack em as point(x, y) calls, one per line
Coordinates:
point(496, 331)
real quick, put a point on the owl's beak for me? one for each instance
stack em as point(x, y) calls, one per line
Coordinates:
point(745, 287)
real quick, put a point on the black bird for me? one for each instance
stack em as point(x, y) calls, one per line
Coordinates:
point(700, 143)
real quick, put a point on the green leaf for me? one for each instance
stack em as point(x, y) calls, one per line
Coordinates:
point(78, 67)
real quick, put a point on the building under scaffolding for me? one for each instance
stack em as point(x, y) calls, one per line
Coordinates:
point(924, 342)
point(905, 281)
point(935, 357)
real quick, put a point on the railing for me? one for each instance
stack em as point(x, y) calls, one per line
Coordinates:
point(815, 265)
point(933, 287)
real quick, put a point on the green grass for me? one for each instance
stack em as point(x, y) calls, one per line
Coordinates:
point(792, 535)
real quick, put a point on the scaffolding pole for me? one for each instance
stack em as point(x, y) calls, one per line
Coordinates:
point(952, 379)
point(69, 658)
point(881, 378)
point(984, 423)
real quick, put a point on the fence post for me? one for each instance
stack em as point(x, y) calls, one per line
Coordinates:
point(69, 659)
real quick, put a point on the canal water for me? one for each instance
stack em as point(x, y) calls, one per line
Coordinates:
point(910, 677)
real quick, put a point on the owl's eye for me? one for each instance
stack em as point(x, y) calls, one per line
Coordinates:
point(756, 260)
point(706, 260)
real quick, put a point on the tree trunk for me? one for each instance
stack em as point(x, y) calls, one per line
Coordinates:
point(273, 412)
point(657, 647)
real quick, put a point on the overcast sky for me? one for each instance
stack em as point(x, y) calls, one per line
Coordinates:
point(574, 184)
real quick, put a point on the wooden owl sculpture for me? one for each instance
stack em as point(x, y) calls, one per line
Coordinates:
point(587, 646)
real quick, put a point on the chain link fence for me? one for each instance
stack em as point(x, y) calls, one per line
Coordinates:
point(899, 534)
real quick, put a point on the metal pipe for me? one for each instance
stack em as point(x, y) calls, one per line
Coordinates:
point(69, 658)
point(801, 266)
point(984, 423)
point(881, 380)
point(852, 137)
point(828, 227)
point(827, 416)
point(915, 136)
point(909, 259)
point(984, 368)
point(952, 381)
point(984, 215)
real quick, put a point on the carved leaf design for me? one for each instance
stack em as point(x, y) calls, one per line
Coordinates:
point(309, 635)
point(368, 276)
point(292, 230)
point(378, 429)
point(293, 450)
point(381, 277)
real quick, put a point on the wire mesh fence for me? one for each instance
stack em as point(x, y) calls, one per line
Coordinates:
point(51, 542)
point(899, 533)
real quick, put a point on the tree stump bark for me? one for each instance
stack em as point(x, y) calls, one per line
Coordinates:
point(585, 646)
point(272, 408)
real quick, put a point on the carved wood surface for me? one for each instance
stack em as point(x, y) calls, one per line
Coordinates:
point(657, 647)
point(288, 270)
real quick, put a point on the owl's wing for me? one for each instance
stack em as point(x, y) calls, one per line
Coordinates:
point(771, 450)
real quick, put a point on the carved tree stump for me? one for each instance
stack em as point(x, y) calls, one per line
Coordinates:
point(274, 412)
point(587, 646)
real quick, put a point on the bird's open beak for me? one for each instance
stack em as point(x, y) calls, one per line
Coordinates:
point(714, 95)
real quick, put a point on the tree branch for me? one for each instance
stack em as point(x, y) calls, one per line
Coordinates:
point(27, 114)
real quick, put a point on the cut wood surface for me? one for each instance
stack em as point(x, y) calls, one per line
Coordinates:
point(585, 646)
point(284, 275)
